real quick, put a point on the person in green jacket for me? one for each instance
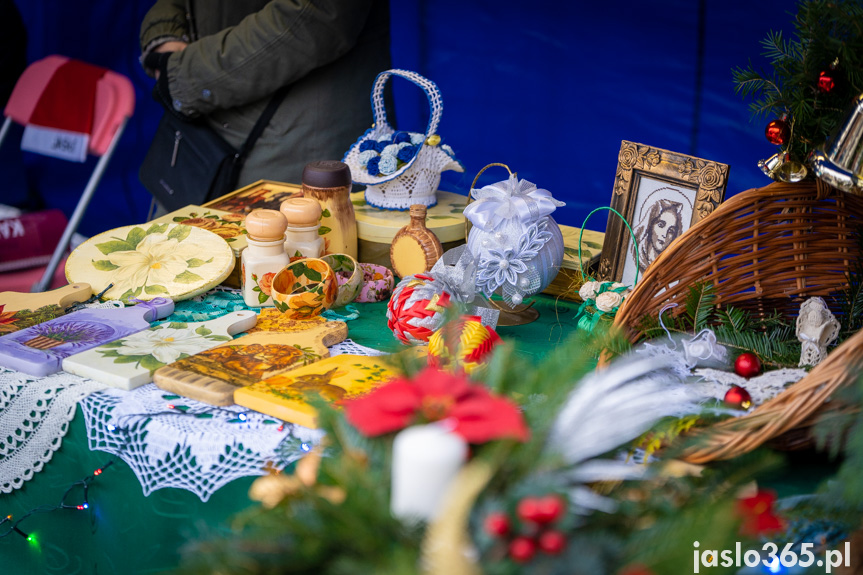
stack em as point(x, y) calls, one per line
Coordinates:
point(224, 59)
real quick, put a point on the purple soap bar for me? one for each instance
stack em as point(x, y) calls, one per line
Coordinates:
point(39, 350)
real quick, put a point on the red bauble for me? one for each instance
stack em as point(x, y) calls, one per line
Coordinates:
point(522, 549)
point(528, 510)
point(550, 508)
point(552, 542)
point(747, 365)
point(497, 524)
point(738, 397)
point(777, 132)
point(827, 81)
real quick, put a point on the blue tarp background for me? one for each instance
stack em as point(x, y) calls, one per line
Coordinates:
point(548, 87)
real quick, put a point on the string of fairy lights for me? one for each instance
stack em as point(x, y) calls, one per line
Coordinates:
point(83, 504)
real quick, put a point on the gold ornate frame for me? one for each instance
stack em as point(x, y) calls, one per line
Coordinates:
point(707, 179)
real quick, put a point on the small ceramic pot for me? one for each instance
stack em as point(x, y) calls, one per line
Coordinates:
point(349, 276)
point(304, 288)
point(378, 283)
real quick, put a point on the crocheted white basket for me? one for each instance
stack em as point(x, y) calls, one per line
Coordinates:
point(416, 181)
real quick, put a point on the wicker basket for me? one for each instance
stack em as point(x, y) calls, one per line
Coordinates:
point(764, 249)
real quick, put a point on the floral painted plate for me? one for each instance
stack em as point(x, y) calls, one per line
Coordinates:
point(152, 260)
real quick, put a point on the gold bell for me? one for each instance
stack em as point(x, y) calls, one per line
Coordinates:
point(783, 168)
point(433, 140)
point(840, 162)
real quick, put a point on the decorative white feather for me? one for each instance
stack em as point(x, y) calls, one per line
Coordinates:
point(608, 409)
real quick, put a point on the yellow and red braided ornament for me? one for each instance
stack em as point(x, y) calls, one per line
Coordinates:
point(464, 344)
point(416, 309)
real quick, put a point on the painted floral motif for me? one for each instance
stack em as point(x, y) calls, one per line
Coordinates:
point(158, 346)
point(148, 260)
point(263, 286)
point(348, 277)
point(305, 289)
point(227, 226)
point(378, 283)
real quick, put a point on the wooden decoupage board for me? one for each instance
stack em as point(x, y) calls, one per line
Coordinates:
point(152, 260)
point(40, 349)
point(287, 396)
point(277, 345)
point(129, 362)
point(229, 226)
point(20, 310)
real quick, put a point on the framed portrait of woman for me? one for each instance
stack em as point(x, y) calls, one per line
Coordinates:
point(661, 194)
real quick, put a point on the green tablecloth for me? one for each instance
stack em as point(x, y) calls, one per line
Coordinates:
point(125, 532)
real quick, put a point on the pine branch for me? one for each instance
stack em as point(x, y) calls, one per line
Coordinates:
point(699, 305)
point(733, 318)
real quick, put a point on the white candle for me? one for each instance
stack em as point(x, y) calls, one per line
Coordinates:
point(426, 459)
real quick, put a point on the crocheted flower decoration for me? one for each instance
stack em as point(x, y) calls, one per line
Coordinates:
point(388, 154)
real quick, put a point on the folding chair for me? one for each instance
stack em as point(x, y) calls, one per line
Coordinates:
point(70, 108)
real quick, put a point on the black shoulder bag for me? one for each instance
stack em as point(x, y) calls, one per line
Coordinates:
point(189, 163)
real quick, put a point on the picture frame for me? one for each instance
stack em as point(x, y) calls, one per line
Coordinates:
point(661, 194)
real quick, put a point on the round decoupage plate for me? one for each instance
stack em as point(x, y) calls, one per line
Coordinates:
point(151, 260)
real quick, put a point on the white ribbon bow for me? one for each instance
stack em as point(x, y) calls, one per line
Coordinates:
point(511, 199)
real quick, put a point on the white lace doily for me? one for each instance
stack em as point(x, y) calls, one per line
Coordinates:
point(171, 448)
point(715, 383)
point(34, 417)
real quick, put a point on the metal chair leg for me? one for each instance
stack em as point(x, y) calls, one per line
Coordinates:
point(45, 282)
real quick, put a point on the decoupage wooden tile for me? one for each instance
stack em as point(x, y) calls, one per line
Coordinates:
point(20, 310)
point(212, 376)
point(287, 396)
point(40, 349)
point(129, 362)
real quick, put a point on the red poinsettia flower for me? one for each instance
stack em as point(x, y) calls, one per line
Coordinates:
point(757, 514)
point(477, 415)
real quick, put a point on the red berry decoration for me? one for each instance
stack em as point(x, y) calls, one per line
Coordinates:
point(522, 549)
point(497, 524)
point(827, 81)
point(528, 510)
point(747, 365)
point(550, 508)
point(777, 132)
point(738, 397)
point(552, 542)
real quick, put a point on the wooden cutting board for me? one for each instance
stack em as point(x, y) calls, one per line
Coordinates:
point(129, 362)
point(40, 349)
point(212, 376)
point(286, 396)
point(20, 310)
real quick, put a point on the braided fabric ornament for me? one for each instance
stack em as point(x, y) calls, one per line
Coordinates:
point(416, 309)
point(464, 344)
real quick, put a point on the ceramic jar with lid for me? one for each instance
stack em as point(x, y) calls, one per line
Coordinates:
point(301, 236)
point(264, 256)
point(329, 182)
